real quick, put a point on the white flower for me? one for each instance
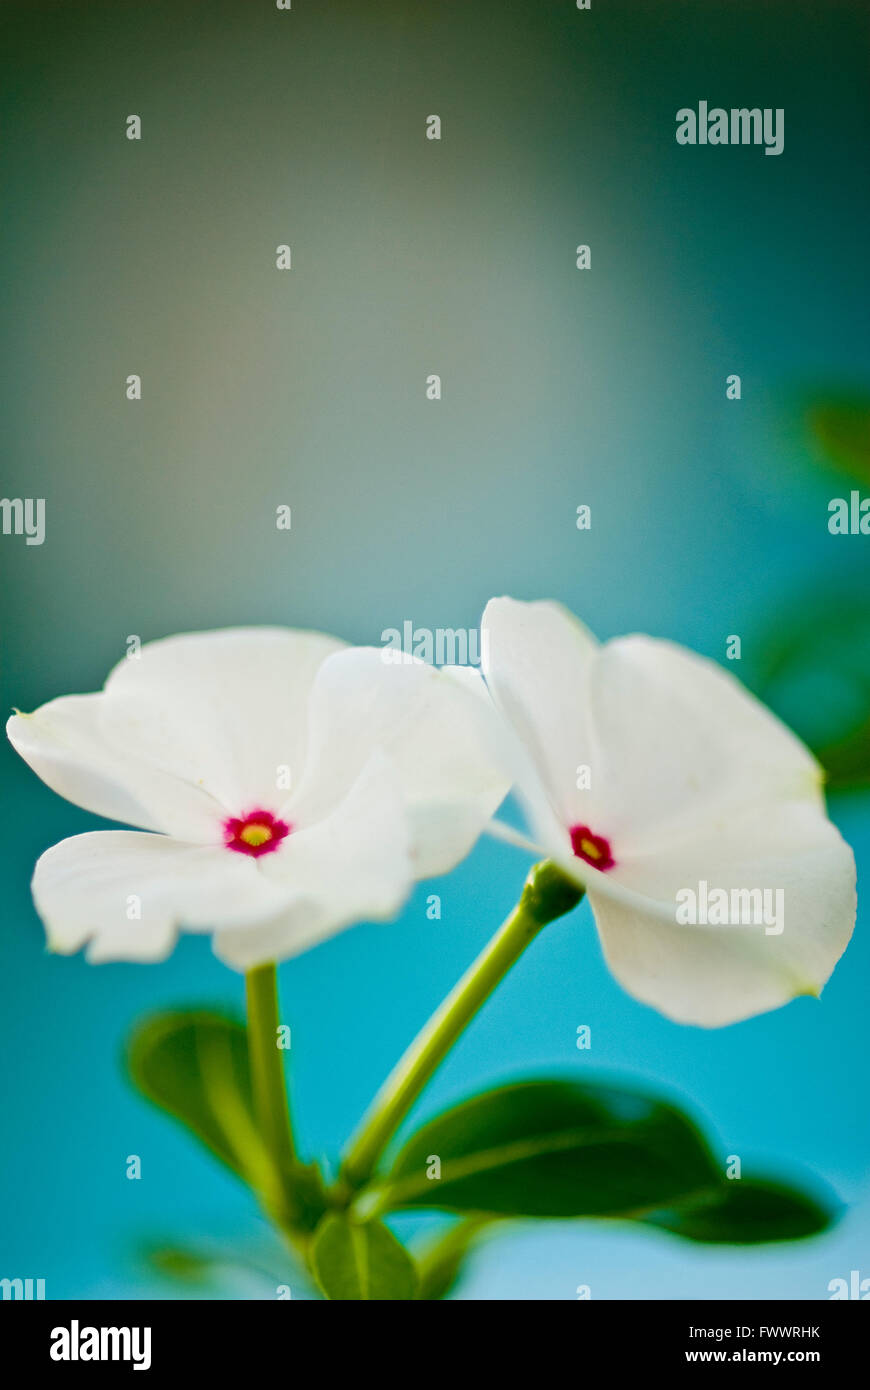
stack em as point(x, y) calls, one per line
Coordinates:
point(298, 785)
point(647, 771)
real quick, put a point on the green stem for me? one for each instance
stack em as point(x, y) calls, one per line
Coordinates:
point(547, 894)
point(267, 1069)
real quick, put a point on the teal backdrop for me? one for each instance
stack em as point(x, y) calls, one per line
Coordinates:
point(306, 388)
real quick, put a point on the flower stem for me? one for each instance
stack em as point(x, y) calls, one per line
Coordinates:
point(271, 1106)
point(547, 894)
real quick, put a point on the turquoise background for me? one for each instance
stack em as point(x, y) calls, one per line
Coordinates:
point(307, 388)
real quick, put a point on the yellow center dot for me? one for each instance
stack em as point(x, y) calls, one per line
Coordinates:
point(591, 849)
point(255, 835)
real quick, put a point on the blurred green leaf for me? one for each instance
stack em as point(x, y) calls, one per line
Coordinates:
point(194, 1065)
point(840, 425)
point(746, 1212)
point(847, 761)
point(813, 669)
point(185, 1266)
point(552, 1149)
point(361, 1260)
point(441, 1262)
point(238, 1269)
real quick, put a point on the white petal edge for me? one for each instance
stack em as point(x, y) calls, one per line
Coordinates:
point(195, 729)
point(716, 975)
point(86, 887)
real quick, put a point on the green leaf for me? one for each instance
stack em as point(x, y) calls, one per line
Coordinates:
point(442, 1261)
point(361, 1260)
point(847, 761)
point(195, 1066)
point(840, 424)
point(813, 669)
point(552, 1149)
point(244, 1267)
point(746, 1212)
point(177, 1262)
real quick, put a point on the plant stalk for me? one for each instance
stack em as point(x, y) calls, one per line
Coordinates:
point(271, 1106)
point(548, 894)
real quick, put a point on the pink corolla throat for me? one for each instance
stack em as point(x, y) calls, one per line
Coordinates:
point(259, 832)
point(594, 849)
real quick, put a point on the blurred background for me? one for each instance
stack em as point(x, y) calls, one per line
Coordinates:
point(306, 388)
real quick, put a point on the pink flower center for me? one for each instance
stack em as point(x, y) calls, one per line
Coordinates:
point(593, 848)
point(259, 832)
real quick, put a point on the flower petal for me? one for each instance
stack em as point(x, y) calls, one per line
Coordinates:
point(428, 723)
point(199, 727)
point(66, 744)
point(86, 886)
point(679, 740)
point(537, 659)
point(713, 975)
point(224, 710)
